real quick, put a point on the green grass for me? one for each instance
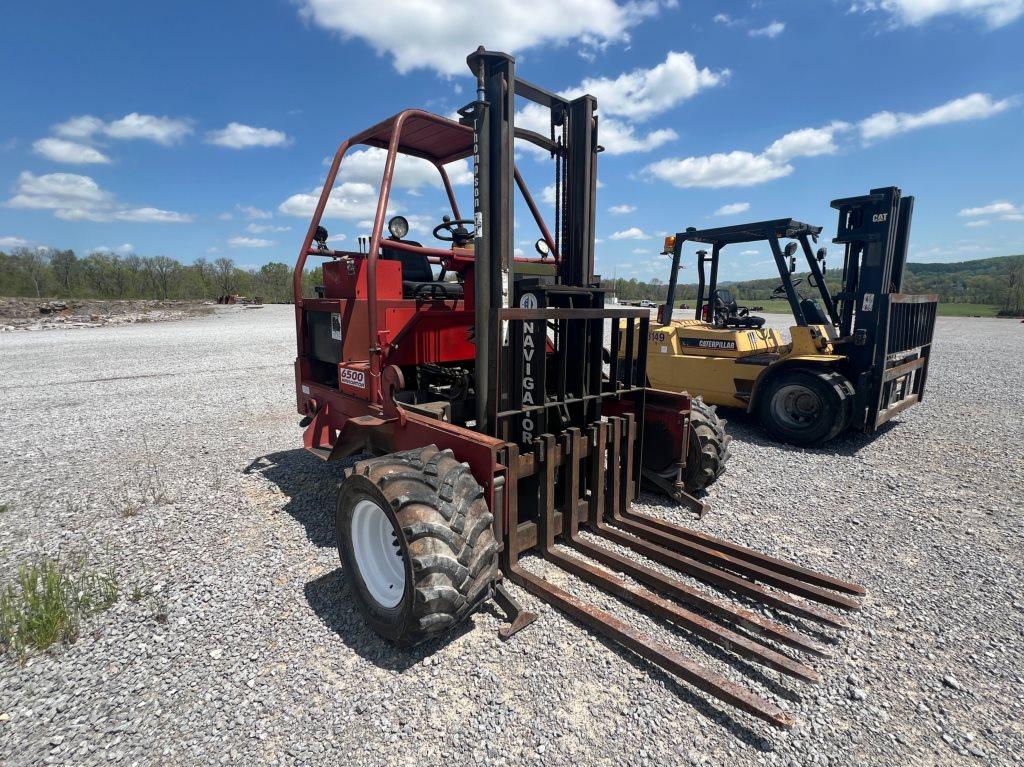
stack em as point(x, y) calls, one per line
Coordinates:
point(967, 310)
point(47, 602)
point(945, 309)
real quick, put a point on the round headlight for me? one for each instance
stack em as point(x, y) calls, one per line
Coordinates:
point(542, 247)
point(399, 227)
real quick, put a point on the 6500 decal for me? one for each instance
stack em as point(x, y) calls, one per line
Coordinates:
point(350, 377)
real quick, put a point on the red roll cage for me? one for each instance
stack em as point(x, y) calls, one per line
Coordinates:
point(429, 137)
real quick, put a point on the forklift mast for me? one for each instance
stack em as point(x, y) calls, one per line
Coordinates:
point(502, 373)
point(875, 229)
point(892, 331)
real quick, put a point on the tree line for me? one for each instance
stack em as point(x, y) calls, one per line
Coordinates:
point(993, 281)
point(62, 274)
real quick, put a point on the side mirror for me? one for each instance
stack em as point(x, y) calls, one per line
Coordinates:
point(820, 255)
point(790, 249)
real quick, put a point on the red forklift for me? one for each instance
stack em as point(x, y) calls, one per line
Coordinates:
point(498, 417)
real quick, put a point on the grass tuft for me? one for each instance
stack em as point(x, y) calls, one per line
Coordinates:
point(47, 602)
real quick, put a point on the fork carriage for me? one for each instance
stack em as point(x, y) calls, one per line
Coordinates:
point(500, 425)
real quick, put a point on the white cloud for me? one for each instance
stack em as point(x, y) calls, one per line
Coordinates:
point(620, 210)
point(250, 211)
point(633, 233)
point(741, 168)
point(733, 208)
point(121, 250)
point(162, 130)
point(978, 222)
point(148, 216)
point(632, 96)
point(616, 136)
point(249, 242)
point(1012, 217)
point(807, 142)
point(547, 194)
point(995, 13)
point(976, 106)
point(72, 197)
point(428, 35)
point(749, 252)
point(239, 136)
point(12, 242)
point(992, 209)
point(79, 127)
point(773, 30)
point(722, 18)
point(643, 93)
point(72, 152)
point(718, 170)
point(350, 200)
point(620, 138)
point(54, 191)
point(266, 228)
point(367, 166)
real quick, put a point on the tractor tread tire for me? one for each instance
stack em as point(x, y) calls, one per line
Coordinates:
point(445, 531)
point(708, 450)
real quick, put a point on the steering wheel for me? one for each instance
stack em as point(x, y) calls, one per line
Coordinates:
point(782, 288)
point(430, 291)
point(456, 230)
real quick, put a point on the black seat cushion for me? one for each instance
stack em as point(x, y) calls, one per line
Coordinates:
point(417, 276)
point(813, 312)
point(724, 300)
point(728, 310)
point(415, 266)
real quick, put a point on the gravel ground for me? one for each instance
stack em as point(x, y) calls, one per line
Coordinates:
point(171, 451)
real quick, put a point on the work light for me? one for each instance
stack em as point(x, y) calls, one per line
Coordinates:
point(399, 227)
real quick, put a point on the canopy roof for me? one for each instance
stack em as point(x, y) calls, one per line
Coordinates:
point(423, 134)
point(760, 230)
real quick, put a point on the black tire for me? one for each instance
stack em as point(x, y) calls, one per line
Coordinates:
point(708, 450)
point(442, 531)
point(805, 407)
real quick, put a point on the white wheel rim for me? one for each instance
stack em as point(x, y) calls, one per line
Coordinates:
point(378, 555)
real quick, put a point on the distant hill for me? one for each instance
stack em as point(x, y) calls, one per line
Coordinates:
point(994, 281)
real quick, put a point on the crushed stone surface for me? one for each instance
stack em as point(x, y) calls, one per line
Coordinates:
point(172, 452)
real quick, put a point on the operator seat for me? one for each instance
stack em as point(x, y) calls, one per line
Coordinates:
point(729, 314)
point(417, 277)
point(813, 312)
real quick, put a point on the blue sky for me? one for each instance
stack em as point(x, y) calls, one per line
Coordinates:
point(200, 129)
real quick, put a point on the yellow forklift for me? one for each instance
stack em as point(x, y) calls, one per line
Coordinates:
point(854, 359)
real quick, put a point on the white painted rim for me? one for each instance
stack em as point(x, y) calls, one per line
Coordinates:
point(378, 555)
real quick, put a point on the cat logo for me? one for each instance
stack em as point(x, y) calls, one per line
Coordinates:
point(880, 218)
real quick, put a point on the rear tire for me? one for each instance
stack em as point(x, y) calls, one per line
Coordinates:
point(706, 453)
point(806, 407)
point(708, 450)
point(428, 511)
